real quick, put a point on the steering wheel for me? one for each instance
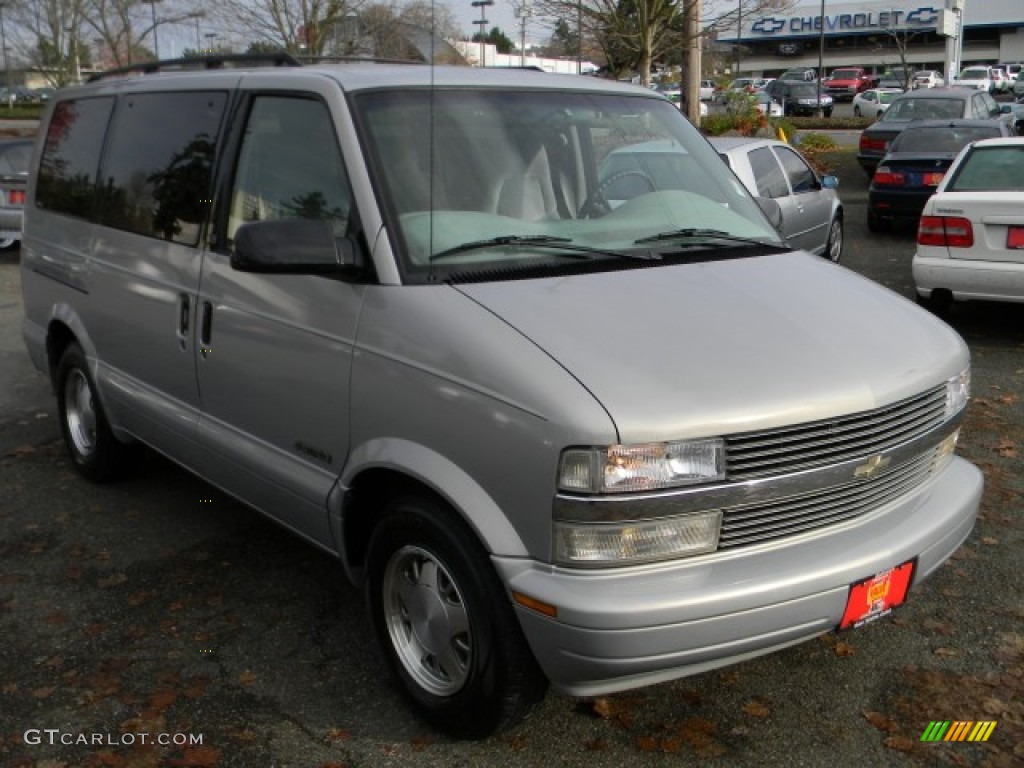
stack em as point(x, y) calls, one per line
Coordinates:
point(596, 203)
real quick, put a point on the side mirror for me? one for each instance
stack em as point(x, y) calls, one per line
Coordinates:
point(829, 182)
point(294, 246)
point(772, 210)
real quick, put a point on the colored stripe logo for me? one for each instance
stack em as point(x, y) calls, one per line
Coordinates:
point(958, 730)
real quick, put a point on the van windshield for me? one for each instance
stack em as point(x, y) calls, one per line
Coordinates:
point(502, 179)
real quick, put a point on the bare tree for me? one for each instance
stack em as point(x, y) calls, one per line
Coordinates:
point(900, 40)
point(46, 34)
point(631, 35)
point(298, 26)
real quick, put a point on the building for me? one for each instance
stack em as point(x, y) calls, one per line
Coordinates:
point(871, 34)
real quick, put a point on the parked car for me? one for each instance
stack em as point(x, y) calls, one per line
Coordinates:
point(970, 240)
point(1018, 89)
point(1000, 82)
point(707, 90)
point(15, 156)
point(392, 308)
point(915, 164)
point(766, 105)
point(874, 102)
point(978, 78)
point(812, 213)
point(1012, 71)
point(895, 77)
point(799, 98)
point(930, 104)
point(844, 84)
point(927, 78)
point(800, 74)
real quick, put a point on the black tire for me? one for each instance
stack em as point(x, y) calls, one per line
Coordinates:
point(939, 303)
point(856, 110)
point(877, 224)
point(94, 450)
point(467, 684)
point(834, 244)
point(828, 112)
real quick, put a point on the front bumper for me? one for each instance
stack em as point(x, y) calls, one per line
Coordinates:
point(624, 628)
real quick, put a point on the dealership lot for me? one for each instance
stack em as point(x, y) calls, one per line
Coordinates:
point(160, 607)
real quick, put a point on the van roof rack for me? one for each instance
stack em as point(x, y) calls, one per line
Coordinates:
point(214, 61)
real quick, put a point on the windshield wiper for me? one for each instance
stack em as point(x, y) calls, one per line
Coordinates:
point(717, 234)
point(563, 244)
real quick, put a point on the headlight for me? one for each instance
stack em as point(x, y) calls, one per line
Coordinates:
point(637, 542)
point(958, 391)
point(645, 467)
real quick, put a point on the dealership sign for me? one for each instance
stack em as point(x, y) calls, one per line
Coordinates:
point(841, 23)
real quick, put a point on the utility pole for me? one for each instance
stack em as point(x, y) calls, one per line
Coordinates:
point(692, 89)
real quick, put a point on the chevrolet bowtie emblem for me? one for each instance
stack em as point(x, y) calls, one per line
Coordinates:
point(871, 467)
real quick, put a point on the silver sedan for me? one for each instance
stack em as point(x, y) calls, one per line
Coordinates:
point(812, 213)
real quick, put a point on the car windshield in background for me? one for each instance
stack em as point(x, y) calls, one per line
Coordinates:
point(990, 169)
point(846, 74)
point(804, 91)
point(886, 97)
point(15, 157)
point(974, 74)
point(498, 180)
point(942, 138)
point(924, 109)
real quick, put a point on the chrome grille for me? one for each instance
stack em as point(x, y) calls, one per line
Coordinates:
point(776, 519)
point(818, 444)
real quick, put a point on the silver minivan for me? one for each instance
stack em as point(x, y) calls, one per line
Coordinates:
point(594, 430)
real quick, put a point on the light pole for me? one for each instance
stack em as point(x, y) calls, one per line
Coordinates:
point(210, 37)
point(482, 23)
point(524, 14)
point(739, 35)
point(3, 44)
point(156, 38)
point(821, 57)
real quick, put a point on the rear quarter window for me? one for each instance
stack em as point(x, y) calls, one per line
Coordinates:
point(71, 155)
point(157, 175)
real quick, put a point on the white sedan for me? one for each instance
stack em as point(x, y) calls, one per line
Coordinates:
point(874, 102)
point(970, 240)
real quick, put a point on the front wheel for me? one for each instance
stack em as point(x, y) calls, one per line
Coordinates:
point(834, 244)
point(856, 111)
point(828, 112)
point(446, 623)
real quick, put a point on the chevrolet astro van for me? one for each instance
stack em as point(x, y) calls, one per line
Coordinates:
point(563, 424)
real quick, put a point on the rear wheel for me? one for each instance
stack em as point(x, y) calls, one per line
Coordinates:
point(877, 224)
point(446, 623)
point(96, 453)
point(940, 302)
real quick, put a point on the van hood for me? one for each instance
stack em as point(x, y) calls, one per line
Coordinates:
point(730, 346)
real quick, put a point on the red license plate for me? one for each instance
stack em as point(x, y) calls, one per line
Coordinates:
point(875, 597)
point(1015, 238)
point(933, 179)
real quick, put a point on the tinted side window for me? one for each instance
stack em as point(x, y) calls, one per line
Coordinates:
point(71, 155)
point(290, 166)
point(156, 176)
point(801, 177)
point(768, 174)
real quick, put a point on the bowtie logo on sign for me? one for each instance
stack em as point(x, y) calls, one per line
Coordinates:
point(769, 25)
